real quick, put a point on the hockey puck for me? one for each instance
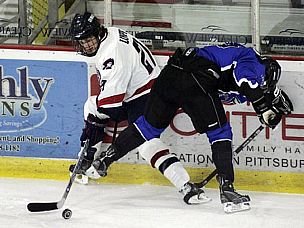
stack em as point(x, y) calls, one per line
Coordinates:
point(67, 213)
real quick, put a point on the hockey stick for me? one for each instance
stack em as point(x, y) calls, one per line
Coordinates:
point(38, 207)
point(237, 151)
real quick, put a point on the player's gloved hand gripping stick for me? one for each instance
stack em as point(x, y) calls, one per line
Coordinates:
point(237, 151)
point(38, 207)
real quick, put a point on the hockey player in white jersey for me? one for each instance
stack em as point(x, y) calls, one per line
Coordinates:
point(126, 72)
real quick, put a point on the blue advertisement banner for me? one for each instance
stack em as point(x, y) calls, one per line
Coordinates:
point(41, 107)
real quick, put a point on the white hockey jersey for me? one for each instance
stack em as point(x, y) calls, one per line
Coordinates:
point(125, 67)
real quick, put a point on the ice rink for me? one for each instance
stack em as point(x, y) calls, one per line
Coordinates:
point(138, 206)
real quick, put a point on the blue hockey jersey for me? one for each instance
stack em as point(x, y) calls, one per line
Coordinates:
point(242, 62)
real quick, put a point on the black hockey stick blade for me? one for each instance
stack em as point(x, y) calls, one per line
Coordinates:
point(39, 207)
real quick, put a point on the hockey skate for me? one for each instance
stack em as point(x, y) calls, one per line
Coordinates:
point(193, 194)
point(81, 177)
point(101, 163)
point(232, 201)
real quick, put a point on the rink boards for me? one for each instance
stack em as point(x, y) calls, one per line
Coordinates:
point(42, 120)
point(123, 173)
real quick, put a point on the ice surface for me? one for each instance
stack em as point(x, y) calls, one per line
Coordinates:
point(139, 206)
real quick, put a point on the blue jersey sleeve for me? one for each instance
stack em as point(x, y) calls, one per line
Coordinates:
point(246, 66)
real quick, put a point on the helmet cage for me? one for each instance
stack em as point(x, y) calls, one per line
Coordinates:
point(79, 47)
point(82, 27)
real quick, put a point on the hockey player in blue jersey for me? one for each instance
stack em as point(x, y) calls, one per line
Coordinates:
point(198, 80)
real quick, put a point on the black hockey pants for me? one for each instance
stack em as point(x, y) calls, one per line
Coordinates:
point(197, 95)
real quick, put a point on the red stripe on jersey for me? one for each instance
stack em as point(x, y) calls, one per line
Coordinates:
point(145, 87)
point(157, 156)
point(111, 100)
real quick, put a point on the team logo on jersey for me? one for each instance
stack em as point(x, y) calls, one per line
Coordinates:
point(108, 64)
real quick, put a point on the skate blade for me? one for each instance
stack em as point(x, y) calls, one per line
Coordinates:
point(233, 208)
point(199, 200)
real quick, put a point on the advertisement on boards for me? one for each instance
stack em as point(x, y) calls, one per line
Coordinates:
point(41, 107)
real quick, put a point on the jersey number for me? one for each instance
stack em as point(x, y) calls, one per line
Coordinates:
point(144, 55)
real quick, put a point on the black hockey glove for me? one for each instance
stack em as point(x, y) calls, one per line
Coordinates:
point(280, 102)
point(94, 131)
point(270, 119)
point(266, 116)
point(271, 107)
